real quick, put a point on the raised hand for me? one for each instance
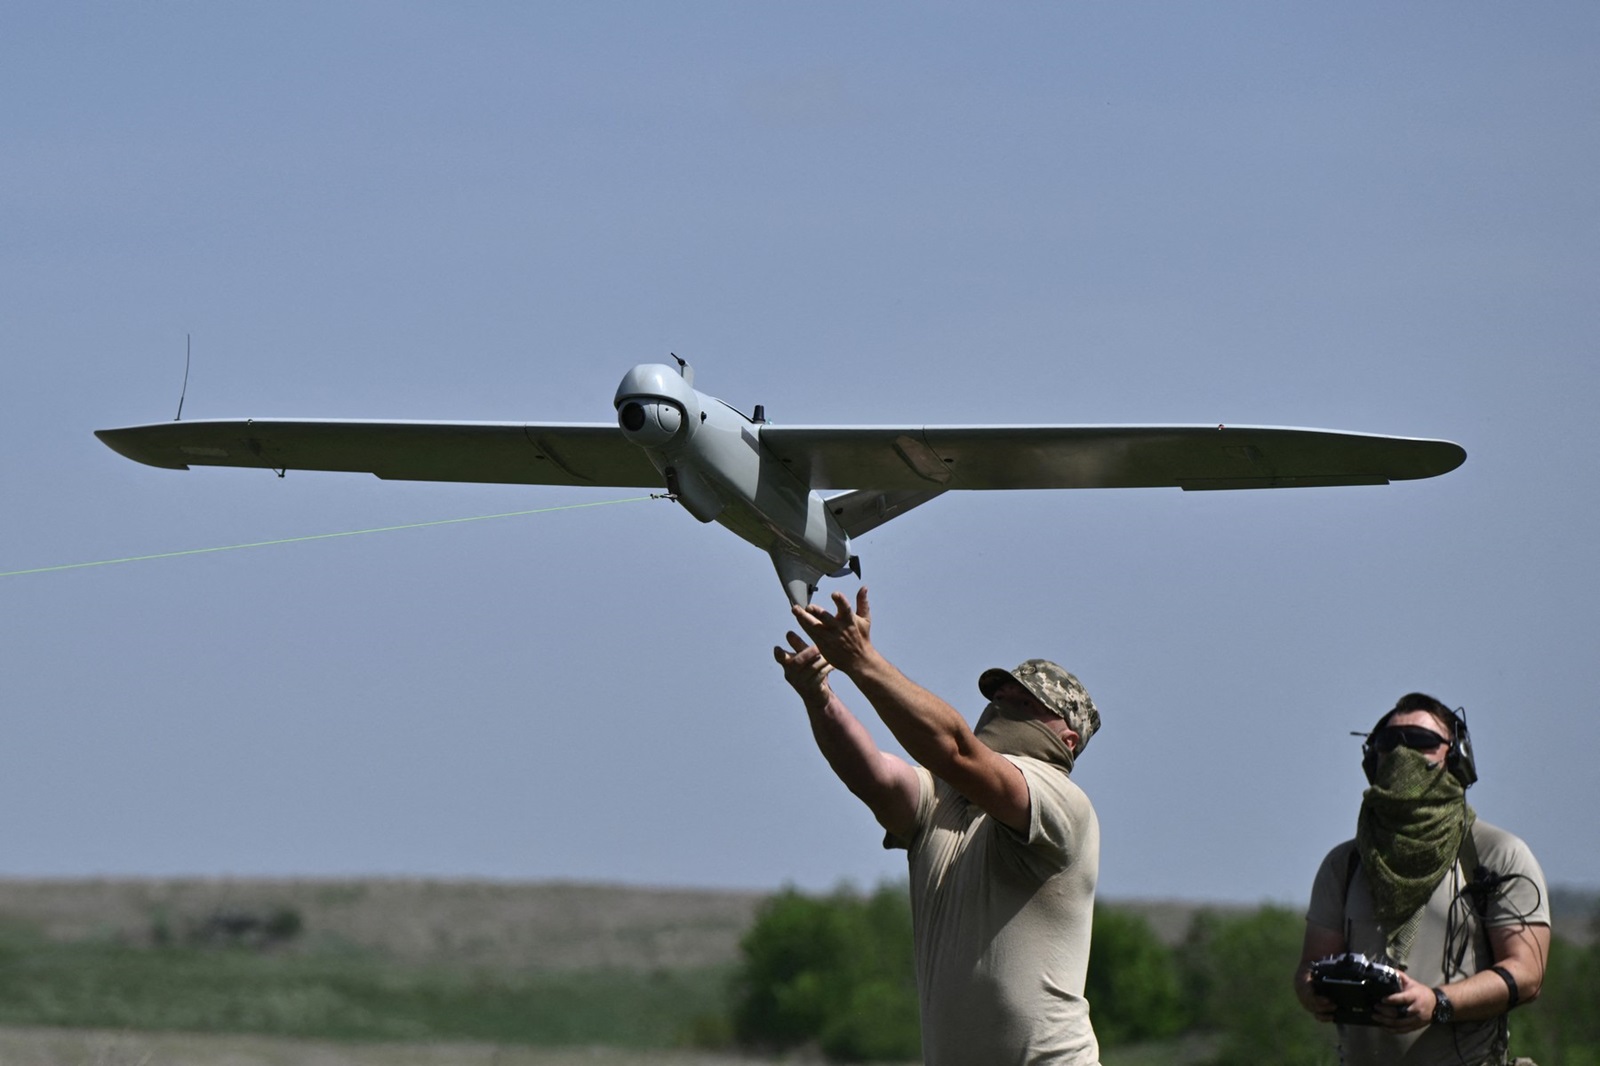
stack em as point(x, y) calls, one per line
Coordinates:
point(843, 637)
point(805, 669)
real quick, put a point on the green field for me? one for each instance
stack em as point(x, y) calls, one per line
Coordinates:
point(85, 1047)
point(111, 986)
point(236, 973)
point(427, 963)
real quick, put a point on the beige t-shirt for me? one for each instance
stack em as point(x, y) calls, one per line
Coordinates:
point(1002, 924)
point(1449, 944)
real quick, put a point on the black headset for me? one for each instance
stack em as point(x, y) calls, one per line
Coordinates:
point(1458, 760)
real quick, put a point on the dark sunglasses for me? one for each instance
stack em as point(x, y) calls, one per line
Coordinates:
point(1416, 737)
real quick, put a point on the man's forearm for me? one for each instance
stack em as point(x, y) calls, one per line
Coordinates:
point(1486, 995)
point(1520, 950)
point(1479, 997)
point(843, 740)
point(931, 731)
point(852, 753)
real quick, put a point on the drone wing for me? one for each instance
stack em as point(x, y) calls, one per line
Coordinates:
point(885, 458)
point(1099, 457)
point(525, 453)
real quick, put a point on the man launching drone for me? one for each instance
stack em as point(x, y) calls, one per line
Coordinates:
point(1004, 848)
point(1427, 897)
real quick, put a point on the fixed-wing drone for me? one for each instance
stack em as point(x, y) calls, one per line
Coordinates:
point(766, 482)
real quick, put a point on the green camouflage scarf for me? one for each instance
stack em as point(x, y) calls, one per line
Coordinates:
point(1012, 733)
point(1409, 834)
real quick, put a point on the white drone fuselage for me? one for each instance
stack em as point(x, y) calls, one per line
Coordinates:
point(711, 459)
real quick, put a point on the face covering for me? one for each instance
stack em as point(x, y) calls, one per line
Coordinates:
point(1012, 732)
point(1409, 834)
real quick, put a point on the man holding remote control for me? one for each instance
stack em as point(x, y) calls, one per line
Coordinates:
point(1456, 906)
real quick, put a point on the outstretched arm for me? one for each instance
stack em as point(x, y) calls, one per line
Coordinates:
point(932, 732)
point(886, 783)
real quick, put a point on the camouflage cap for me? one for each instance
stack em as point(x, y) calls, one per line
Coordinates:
point(1055, 688)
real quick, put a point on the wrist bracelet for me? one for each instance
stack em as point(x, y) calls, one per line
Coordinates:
point(1511, 985)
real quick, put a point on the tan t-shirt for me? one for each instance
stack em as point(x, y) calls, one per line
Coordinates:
point(1002, 924)
point(1449, 944)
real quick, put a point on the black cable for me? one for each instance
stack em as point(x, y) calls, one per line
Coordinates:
point(1459, 938)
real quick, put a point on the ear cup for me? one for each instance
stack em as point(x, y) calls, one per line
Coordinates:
point(1459, 761)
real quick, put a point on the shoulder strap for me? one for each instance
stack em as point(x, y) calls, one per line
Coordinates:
point(1469, 853)
point(1481, 882)
point(1349, 878)
point(1480, 879)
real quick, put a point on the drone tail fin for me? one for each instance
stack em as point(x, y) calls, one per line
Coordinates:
point(798, 576)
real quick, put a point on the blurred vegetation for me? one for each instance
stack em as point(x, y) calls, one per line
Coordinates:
point(834, 974)
point(1562, 1025)
point(1135, 987)
point(829, 975)
point(227, 978)
point(1238, 972)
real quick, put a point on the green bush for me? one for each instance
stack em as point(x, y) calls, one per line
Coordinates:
point(837, 973)
point(1133, 985)
point(1237, 972)
point(1562, 1025)
point(834, 972)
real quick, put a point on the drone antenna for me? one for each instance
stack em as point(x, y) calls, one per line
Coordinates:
point(684, 369)
point(185, 390)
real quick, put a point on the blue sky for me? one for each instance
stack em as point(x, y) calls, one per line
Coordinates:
point(1366, 217)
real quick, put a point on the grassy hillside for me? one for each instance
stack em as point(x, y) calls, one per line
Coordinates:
point(66, 1047)
point(347, 996)
point(501, 925)
point(388, 960)
point(62, 1047)
point(516, 925)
